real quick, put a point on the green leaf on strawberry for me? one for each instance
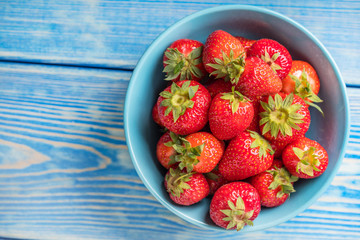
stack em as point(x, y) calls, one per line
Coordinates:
point(280, 115)
point(284, 179)
point(236, 215)
point(176, 181)
point(234, 97)
point(178, 99)
point(229, 68)
point(262, 143)
point(309, 160)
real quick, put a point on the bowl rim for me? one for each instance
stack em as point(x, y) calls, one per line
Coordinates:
point(262, 10)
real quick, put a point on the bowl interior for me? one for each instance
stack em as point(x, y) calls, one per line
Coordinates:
point(147, 81)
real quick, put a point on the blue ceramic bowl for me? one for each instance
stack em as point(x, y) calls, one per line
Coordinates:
point(147, 81)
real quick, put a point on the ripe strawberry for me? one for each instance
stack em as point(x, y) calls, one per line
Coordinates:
point(185, 188)
point(182, 60)
point(254, 125)
point(183, 107)
point(215, 180)
point(200, 152)
point(305, 158)
point(283, 117)
point(230, 114)
point(274, 185)
point(155, 115)
point(258, 79)
point(235, 205)
point(303, 81)
point(223, 56)
point(164, 148)
point(274, 54)
point(246, 42)
point(218, 86)
point(246, 155)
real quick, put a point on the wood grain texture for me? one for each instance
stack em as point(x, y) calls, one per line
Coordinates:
point(65, 172)
point(114, 34)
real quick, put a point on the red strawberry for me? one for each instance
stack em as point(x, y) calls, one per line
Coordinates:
point(185, 188)
point(254, 125)
point(223, 55)
point(274, 185)
point(274, 54)
point(303, 81)
point(164, 148)
point(183, 61)
point(258, 79)
point(283, 117)
point(235, 205)
point(218, 86)
point(215, 180)
point(305, 158)
point(200, 152)
point(183, 107)
point(278, 147)
point(247, 43)
point(230, 114)
point(246, 155)
point(155, 115)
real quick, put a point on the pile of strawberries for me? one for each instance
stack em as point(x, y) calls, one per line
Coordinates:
point(234, 118)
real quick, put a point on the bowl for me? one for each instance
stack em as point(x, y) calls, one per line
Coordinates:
point(252, 22)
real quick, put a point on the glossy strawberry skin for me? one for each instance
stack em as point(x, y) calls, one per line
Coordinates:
point(211, 154)
point(155, 115)
point(296, 69)
point(186, 46)
point(246, 42)
point(199, 189)
point(240, 161)
point(215, 181)
point(217, 42)
point(284, 60)
point(194, 119)
point(163, 152)
point(290, 159)
point(303, 127)
point(230, 192)
point(225, 124)
point(258, 79)
point(262, 182)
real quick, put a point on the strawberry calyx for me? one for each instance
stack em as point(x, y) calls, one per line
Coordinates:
point(184, 67)
point(261, 143)
point(175, 140)
point(234, 97)
point(280, 115)
point(176, 181)
point(178, 99)
point(228, 68)
point(236, 215)
point(187, 156)
point(283, 179)
point(271, 60)
point(309, 160)
point(304, 90)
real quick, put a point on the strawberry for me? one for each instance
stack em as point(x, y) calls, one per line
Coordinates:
point(200, 152)
point(274, 54)
point(182, 60)
point(183, 107)
point(254, 125)
point(215, 180)
point(303, 81)
point(246, 155)
point(258, 79)
point(185, 188)
point(164, 148)
point(305, 158)
point(283, 117)
point(218, 86)
point(155, 115)
point(274, 185)
point(235, 205)
point(230, 114)
point(223, 56)
point(246, 42)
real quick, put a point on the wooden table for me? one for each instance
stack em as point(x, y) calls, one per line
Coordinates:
point(65, 171)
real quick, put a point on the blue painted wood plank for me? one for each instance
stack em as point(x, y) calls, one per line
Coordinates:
point(112, 33)
point(65, 172)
